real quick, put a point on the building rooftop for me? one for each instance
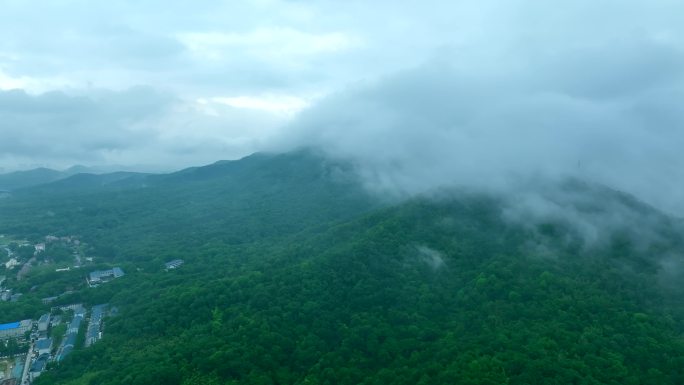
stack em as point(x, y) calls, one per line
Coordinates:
point(44, 343)
point(65, 352)
point(93, 333)
point(10, 326)
point(47, 300)
point(76, 322)
point(99, 309)
point(18, 369)
point(70, 340)
point(39, 364)
point(174, 264)
point(97, 275)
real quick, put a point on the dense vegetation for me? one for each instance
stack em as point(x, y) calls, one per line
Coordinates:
point(294, 276)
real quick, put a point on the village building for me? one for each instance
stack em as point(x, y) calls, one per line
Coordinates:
point(98, 277)
point(176, 263)
point(94, 332)
point(11, 264)
point(38, 366)
point(15, 329)
point(43, 346)
point(44, 322)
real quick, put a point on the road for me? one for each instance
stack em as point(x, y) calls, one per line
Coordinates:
point(27, 367)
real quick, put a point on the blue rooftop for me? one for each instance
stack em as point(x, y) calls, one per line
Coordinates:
point(65, 352)
point(18, 369)
point(70, 340)
point(9, 326)
point(45, 343)
point(76, 322)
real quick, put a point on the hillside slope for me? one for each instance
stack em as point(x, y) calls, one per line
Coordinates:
point(294, 275)
point(20, 179)
point(236, 202)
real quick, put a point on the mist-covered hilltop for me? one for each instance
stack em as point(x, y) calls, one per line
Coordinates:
point(296, 274)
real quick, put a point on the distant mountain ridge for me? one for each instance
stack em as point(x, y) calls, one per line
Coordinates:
point(21, 179)
point(247, 198)
point(16, 180)
point(78, 178)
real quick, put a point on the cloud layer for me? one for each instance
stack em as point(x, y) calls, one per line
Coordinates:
point(418, 94)
point(595, 107)
point(139, 128)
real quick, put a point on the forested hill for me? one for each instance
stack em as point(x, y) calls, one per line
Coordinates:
point(22, 179)
point(295, 275)
point(237, 202)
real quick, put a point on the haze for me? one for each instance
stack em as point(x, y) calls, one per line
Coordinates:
point(417, 94)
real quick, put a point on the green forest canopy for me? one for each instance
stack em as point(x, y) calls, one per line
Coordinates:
point(294, 275)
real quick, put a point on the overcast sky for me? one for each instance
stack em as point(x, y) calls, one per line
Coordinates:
point(185, 83)
point(415, 92)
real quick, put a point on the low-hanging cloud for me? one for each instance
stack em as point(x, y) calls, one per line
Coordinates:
point(437, 92)
point(430, 257)
point(606, 113)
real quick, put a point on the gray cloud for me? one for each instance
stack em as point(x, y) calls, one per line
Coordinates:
point(204, 47)
point(58, 126)
point(138, 126)
point(606, 115)
point(419, 94)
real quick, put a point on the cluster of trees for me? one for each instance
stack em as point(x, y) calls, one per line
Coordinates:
point(11, 347)
point(60, 253)
point(26, 308)
point(21, 252)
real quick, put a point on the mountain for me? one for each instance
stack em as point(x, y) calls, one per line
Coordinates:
point(80, 169)
point(88, 182)
point(236, 201)
point(295, 274)
point(41, 176)
point(20, 179)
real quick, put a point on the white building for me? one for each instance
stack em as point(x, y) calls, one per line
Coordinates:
point(100, 276)
point(11, 263)
point(44, 322)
